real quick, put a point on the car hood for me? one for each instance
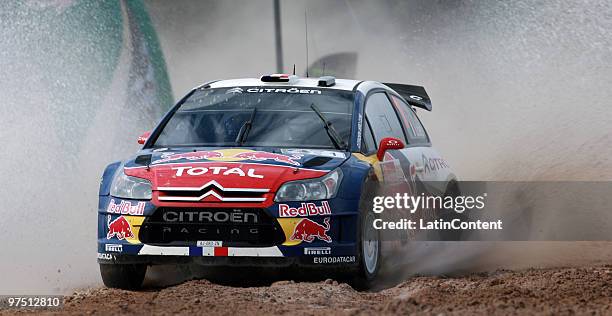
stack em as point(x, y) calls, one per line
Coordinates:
point(228, 170)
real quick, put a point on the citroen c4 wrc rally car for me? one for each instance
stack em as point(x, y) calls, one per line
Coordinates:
point(279, 169)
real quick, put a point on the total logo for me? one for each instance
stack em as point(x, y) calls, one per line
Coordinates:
point(306, 209)
point(307, 230)
point(126, 208)
point(230, 155)
point(119, 228)
point(226, 171)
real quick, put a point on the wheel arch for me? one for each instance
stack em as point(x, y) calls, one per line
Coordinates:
point(107, 178)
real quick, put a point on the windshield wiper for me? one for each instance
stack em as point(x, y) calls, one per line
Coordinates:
point(329, 128)
point(245, 129)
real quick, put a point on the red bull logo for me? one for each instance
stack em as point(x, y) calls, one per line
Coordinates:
point(126, 208)
point(306, 209)
point(119, 228)
point(264, 155)
point(191, 156)
point(307, 230)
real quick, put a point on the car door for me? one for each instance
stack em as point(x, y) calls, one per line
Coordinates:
point(421, 162)
point(381, 121)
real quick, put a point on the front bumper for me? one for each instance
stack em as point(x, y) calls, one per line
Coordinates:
point(246, 260)
point(329, 239)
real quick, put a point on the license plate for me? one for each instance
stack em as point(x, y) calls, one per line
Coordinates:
point(210, 243)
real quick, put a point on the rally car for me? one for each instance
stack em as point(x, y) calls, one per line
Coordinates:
point(277, 170)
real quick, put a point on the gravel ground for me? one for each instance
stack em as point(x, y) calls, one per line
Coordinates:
point(556, 291)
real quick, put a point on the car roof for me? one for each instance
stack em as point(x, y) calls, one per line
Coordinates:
point(341, 84)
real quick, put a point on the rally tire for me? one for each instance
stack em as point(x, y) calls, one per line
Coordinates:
point(369, 251)
point(123, 276)
point(452, 190)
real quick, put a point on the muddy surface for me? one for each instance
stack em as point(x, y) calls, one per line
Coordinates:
point(533, 291)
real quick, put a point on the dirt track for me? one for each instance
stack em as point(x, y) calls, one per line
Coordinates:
point(548, 291)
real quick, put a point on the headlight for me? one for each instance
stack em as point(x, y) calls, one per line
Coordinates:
point(128, 187)
point(321, 188)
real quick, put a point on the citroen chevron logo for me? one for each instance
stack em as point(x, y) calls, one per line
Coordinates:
point(211, 188)
point(234, 90)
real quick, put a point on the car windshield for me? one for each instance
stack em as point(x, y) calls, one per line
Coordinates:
point(260, 117)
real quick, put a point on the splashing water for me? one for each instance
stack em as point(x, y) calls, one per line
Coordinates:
point(80, 81)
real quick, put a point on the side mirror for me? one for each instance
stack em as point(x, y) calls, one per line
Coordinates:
point(388, 143)
point(143, 138)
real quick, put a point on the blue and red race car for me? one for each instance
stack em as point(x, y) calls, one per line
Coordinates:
point(280, 169)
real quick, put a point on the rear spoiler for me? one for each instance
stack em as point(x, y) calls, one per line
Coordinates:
point(415, 95)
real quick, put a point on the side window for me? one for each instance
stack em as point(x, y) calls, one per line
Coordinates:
point(413, 127)
point(382, 118)
point(368, 144)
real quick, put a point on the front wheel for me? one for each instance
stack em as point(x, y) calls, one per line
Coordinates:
point(370, 259)
point(123, 276)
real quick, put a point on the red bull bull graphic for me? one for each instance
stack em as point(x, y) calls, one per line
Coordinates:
point(219, 155)
point(119, 228)
point(307, 230)
point(126, 208)
point(264, 155)
point(306, 209)
point(191, 156)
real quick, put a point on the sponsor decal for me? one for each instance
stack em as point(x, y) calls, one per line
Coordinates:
point(192, 156)
point(359, 127)
point(317, 251)
point(264, 155)
point(106, 256)
point(218, 155)
point(113, 248)
point(282, 90)
point(119, 228)
point(210, 232)
point(307, 230)
point(433, 164)
point(306, 209)
point(392, 171)
point(226, 171)
point(218, 216)
point(209, 243)
point(332, 260)
point(315, 152)
point(126, 208)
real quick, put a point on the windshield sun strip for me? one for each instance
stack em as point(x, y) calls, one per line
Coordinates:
point(260, 110)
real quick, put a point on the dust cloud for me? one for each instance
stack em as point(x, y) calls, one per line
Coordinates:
point(519, 89)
